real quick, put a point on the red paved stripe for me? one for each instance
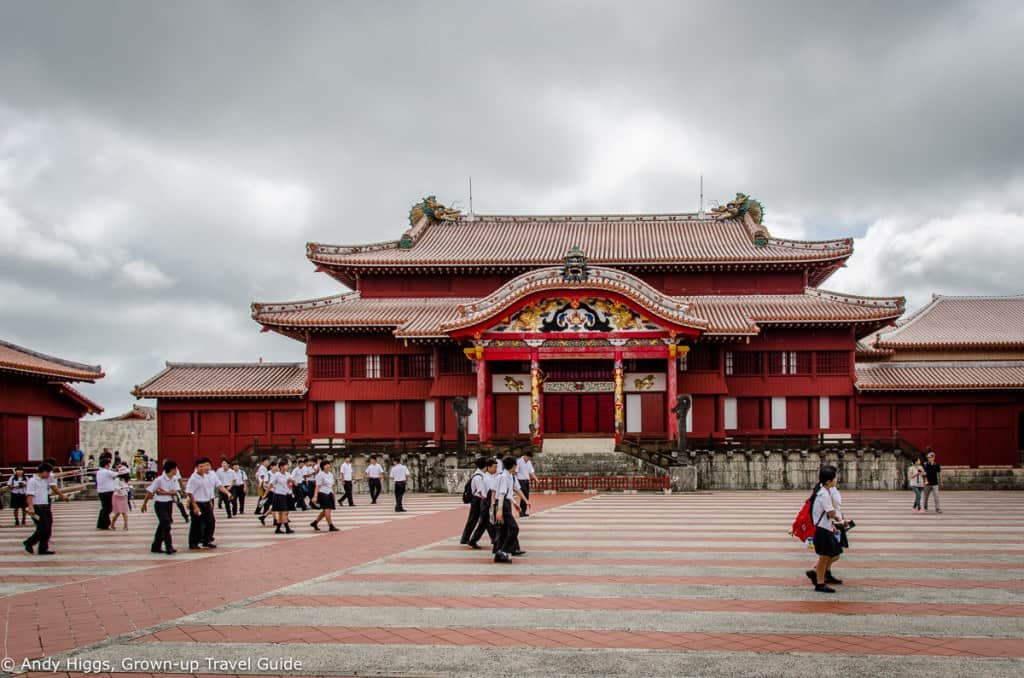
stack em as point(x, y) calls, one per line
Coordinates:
point(547, 547)
point(581, 639)
point(36, 624)
point(665, 604)
point(720, 562)
point(797, 579)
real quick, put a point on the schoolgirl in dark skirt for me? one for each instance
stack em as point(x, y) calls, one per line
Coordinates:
point(826, 544)
point(324, 485)
point(17, 484)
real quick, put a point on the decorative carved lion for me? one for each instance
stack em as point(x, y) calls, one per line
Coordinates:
point(740, 205)
point(645, 383)
point(513, 384)
point(622, 316)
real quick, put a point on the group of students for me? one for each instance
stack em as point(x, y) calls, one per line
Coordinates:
point(497, 489)
point(282, 492)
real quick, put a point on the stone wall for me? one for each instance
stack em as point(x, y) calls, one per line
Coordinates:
point(119, 434)
point(865, 469)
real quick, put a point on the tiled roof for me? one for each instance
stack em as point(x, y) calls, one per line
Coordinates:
point(725, 314)
point(137, 412)
point(91, 406)
point(629, 240)
point(940, 375)
point(961, 322)
point(226, 380)
point(14, 358)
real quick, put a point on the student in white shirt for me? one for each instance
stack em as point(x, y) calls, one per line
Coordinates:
point(508, 530)
point(373, 473)
point(346, 481)
point(525, 475)
point(201, 487)
point(478, 493)
point(823, 513)
point(324, 497)
point(16, 484)
point(309, 477)
point(262, 488)
point(37, 497)
point(281, 485)
point(106, 483)
point(400, 476)
point(227, 478)
point(163, 491)
point(238, 489)
point(298, 476)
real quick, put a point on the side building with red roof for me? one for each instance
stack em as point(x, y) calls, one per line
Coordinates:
point(550, 327)
point(39, 409)
point(951, 376)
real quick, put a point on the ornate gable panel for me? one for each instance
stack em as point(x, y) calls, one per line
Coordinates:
point(588, 314)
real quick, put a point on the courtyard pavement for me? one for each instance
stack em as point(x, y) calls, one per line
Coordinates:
point(683, 585)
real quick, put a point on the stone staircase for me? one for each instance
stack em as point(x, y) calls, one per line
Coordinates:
point(589, 457)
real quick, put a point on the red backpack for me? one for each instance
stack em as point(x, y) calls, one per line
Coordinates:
point(803, 525)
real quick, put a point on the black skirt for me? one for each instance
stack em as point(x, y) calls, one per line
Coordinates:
point(19, 501)
point(325, 501)
point(825, 543)
point(280, 502)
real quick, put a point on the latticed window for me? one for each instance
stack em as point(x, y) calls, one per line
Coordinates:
point(789, 362)
point(700, 359)
point(373, 367)
point(833, 362)
point(416, 366)
point(743, 363)
point(454, 362)
point(327, 366)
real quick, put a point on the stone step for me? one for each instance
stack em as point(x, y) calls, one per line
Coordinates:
point(593, 463)
point(578, 445)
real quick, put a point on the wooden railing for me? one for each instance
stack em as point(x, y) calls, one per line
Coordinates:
point(600, 483)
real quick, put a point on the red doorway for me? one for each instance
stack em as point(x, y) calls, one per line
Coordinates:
point(588, 413)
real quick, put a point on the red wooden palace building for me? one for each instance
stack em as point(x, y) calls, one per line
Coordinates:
point(39, 410)
point(550, 326)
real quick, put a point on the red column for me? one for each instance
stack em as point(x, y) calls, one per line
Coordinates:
point(671, 392)
point(483, 410)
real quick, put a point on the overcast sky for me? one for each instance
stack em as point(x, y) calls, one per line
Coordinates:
point(162, 165)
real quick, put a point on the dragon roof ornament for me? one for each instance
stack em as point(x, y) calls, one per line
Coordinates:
point(743, 206)
point(421, 215)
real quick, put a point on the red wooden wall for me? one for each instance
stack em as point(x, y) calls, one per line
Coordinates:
point(22, 397)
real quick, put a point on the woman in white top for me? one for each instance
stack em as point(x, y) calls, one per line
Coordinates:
point(324, 489)
point(119, 502)
point(16, 484)
point(826, 545)
point(915, 478)
point(281, 484)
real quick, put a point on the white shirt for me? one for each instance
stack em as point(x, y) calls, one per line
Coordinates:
point(152, 464)
point(226, 476)
point(505, 486)
point(163, 482)
point(524, 468)
point(308, 471)
point(202, 488)
point(39, 488)
point(374, 470)
point(819, 512)
point(17, 485)
point(325, 482)
point(837, 502)
point(346, 471)
point(399, 473)
point(478, 485)
point(106, 480)
point(262, 474)
point(279, 483)
point(240, 476)
point(299, 474)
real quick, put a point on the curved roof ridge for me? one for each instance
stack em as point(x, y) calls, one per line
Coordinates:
point(239, 365)
point(34, 362)
point(302, 304)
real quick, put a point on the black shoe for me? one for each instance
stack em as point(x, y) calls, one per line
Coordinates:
point(463, 542)
point(195, 548)
point(474, 546)
point(211, 545)
point(263, 520)
point(315, 526)
point(288, 529)
point(278, 530)
point(812, 575)
point(332, 528)
point(524, 515)
point(821, 588)
point(501, 557)
point(519, 553)
point(28, 547)
point(152, 550)
point(829, 579)
point(47, 553)
point(171, 552)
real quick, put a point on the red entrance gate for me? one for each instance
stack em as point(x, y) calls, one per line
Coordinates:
point(592, 413)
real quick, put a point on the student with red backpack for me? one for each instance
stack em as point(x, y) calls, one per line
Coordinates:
point(826, 543)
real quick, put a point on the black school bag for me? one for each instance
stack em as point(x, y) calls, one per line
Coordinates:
point(467, 490)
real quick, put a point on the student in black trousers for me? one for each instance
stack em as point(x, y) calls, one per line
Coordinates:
point(200, 489)
point(372, 474)
point(165, 489)
point(475, 485)
point(525, 474)
point(400, 476)
point(106, 483)
point(508, 530)
point(37, 498)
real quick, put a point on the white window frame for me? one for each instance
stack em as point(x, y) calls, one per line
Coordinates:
point(778, 413)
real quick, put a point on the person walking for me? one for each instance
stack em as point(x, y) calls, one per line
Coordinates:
point(201, 487)
point(400, 476)
point(37, 497)
point(119, 503)
point(281, 485)
point(915, 478)
point(164, 491)
point(476, 483)
point(932, 476)
point(504, 497)
point(346, 481)
point(484, 491)
point(106, 484)
point(826, 543)
point(525, 475)
point(17, 485)
point(324, 497)
point(298, 476)
point(372, 474)
point(238, 489)
point(227, 478)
